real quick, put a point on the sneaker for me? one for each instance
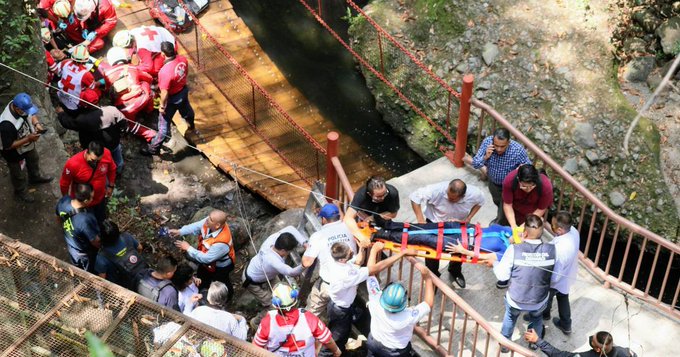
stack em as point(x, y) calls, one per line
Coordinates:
point(558, 324)
point(532, 346)
point(39, 180)
point(503, 284)
point(460, 281)
point(24, 197)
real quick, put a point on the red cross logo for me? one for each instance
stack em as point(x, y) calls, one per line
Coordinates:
point(180, 70)
point(66, 84)
point(294, 345)
point(151, 34)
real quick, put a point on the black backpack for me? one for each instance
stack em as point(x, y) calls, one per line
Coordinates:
point(146, 289)
point(129, 266)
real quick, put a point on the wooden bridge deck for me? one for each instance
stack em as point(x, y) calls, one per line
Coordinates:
point(227, 138)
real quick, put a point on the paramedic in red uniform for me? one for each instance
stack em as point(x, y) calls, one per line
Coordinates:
point(59, 14)
point(172, 81)
point(289, 331)
point(130, 90)
point(145, 42)
point(77, 82)
point(97, 18)
point(96, 167)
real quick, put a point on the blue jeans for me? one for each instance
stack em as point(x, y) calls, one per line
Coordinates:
point(117, 155)
point(511, 315)
point(178, 101)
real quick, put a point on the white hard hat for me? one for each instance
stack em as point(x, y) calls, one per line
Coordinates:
point(61, 8)
point(123, 38)
point(83, 9)
point(116, 54)
point(45, 35)
point(80, 54)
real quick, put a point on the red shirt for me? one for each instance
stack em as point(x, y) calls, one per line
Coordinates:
point(103, 21)
point(173, 76)
point(318, 328)
point(77, 170)
point(526, 203)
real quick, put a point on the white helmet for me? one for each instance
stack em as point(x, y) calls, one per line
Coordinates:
point(45, 35)
point(116, 54)
point(83, 9)
point(61, 8)
point(80, 54)
point(123, 38)
point(284, 296)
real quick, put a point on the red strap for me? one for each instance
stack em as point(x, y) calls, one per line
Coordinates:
point(463, 240)
point(404, 236)
point(440, 239)
point(478, 242)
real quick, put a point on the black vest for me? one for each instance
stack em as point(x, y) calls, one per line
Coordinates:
point(531, 272)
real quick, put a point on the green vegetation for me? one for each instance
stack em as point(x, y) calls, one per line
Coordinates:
point(18, 32)
point(439, 13)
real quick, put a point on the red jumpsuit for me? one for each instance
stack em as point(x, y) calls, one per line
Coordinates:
point(131, 93)
point(73, 31)
point(148, 41)
point(102, 20)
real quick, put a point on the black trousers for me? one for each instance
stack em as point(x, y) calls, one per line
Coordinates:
point(563, 308)
point(454, 268)
point(340, 324)
point(220, 274)
point(20, 177)
point(497, 196)
point(377, 349)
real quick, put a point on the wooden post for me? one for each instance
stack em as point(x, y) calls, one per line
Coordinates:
point(463, 120)
point(331, 174)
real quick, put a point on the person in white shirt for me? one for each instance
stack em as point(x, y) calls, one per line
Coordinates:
point(270, 261)
point(334, 230)
point(567, 241)
point(342, 290)
point(214, 315)
point(452, 201)
point(187, 283)
point(391, 321)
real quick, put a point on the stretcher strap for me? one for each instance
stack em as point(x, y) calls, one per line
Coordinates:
point(404, 236)
point(440, 239)
point(422, 250)
point(478, 242)
point(463, 240)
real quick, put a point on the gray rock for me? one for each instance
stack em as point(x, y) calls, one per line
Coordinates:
point(462, 68)
point(571, 165)
point(616, 198)
point(654, 80)
point(669, 34)
point(583, 135)
point(634, 44)
point(592, 157)
point(484, 85)
point(638, 69)
point(647, 19)
point(490, 53)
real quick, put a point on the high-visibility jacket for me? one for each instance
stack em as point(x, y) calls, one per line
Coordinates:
point(223, 237)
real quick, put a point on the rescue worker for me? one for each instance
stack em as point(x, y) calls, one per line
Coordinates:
point(289, 331)
point(19, 130)
point(602, 344)
point(215, 252)
point(333, 230)
point(172, 81)
point(97, 18)
point(94, 166)
point(51, 57)
point(77, 82)
point(67, 30)
point(263, 270)
point(376, 201)
point(391, 321)
point(145, 42)
point(119, 260)
point(130, 89)
point(347, 275)
point(528, 266)
point(81, 231)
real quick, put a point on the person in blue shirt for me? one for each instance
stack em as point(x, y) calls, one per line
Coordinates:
point(496, 157)
point(81, 231)
point(118, 260)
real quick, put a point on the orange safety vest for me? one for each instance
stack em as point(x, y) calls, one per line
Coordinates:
point(223, 237)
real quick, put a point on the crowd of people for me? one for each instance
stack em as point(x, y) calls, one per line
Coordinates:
point(533, 271)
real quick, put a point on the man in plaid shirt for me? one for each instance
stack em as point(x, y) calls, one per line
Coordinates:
point(496, 157)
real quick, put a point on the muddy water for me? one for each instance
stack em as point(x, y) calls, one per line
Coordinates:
point(317, 65)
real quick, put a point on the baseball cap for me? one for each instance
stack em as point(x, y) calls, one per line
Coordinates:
point(23, 101)
point(329, 210)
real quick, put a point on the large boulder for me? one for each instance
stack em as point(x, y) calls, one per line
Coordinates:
point(669, 35)
point(648, 19)
point(639, 68)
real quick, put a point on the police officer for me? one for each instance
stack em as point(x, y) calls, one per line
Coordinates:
point(528, 266)
point(19, 130)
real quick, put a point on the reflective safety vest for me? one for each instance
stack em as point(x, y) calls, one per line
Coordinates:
point(71, 82)
point(151, 37)
point(23, 128)
point(290, 341)
point(223, 237)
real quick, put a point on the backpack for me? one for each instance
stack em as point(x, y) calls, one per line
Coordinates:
point(129, 266)
point(146, 289)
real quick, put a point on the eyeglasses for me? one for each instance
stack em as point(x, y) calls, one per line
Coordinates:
point(380, 198)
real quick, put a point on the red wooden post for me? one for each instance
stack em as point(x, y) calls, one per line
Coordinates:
point(463, 119)
point(253, 105)
point(331, 174)
point(380, 47)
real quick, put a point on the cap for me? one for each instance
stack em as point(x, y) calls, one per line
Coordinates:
point(23, 101)
point(329, 210)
